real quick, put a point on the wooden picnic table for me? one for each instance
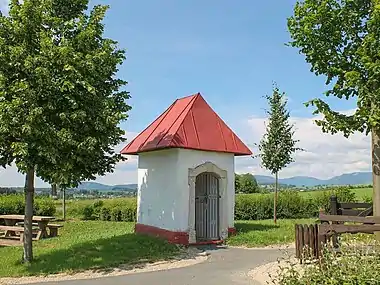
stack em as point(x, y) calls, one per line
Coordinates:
point(42, 222)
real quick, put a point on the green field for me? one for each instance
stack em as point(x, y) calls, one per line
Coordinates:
point(85, 245)
point(265, 232)
point(360, 193)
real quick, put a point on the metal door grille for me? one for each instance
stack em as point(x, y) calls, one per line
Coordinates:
point(207, 207)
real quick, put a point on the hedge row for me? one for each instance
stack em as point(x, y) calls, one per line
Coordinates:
point(121, 209)
point(291, 205)
point(15, 204)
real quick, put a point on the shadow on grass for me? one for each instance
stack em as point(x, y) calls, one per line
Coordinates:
point(249, 227)
point(130, 250)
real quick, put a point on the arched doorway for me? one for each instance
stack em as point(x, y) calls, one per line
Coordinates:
point(207, 203)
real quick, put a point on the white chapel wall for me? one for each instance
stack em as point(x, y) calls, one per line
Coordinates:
point(192, 158)
point(160, 200)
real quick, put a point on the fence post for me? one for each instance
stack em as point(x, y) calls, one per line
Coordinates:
point(334, 211)
point(333, 205)
point(296, 228)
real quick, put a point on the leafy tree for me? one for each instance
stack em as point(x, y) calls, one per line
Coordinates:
point(341, 40)
point(60, 99)
point(277, 145)
point(246, 183)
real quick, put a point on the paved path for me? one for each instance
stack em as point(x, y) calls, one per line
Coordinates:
point(224, 267)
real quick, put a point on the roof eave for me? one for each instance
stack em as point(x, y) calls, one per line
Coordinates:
point(137, 152)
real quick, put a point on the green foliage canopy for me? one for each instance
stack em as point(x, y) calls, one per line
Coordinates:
point(277, 145)
point(341, 40)
point(60, 99)
point(246, 183)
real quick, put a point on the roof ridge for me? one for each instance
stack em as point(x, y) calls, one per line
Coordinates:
point(188, 123)
point(195, 95)
point(166, 112)
point(191, 102)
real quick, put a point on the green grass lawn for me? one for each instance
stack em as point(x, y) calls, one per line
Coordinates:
point(86, 245)
point(361, 193)
point(263, 233)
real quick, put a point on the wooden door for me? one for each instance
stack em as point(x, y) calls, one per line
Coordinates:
point(207, 207)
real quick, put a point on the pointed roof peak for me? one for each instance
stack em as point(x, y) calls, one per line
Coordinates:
point(193, 97)
point(188, 123)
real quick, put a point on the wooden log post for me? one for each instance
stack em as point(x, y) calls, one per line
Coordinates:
point(334, 211)
point(296, 229)
point(308, 242)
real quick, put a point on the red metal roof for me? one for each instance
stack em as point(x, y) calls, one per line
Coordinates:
point(188, 123)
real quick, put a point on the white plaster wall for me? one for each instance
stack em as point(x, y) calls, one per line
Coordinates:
point(161, 202)
point(192, 158)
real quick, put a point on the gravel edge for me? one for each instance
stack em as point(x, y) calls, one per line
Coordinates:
point(188, 257)
point(264, 274)
point(274, 246)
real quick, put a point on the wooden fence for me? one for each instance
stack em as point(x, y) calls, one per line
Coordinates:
point(350, 209)
point(310, 239)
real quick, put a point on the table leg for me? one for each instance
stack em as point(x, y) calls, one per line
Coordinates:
point(10, 223)
point(42, 226)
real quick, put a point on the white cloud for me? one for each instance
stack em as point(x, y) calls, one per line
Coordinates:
point(325, 155)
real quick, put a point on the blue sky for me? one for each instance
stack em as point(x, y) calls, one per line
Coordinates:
point(230, 52)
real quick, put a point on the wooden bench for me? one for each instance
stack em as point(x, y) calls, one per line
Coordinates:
point(21, 224)
point(9, 230)
point(53, 229)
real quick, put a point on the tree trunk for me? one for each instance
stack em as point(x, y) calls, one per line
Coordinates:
point(275, 199)
point(54, 190)
point(28, 219)
point(64, 203)
point(376, 174)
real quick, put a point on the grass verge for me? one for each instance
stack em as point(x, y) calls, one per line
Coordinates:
point(265, 232)
point(86, 245)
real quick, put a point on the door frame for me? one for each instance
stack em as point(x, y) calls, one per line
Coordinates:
point(223, 205)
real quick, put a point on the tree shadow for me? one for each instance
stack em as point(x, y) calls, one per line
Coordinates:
point(131, 250)
point(250, 227)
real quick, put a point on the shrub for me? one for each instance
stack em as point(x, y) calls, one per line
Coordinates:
point(253, 206)
point(105, 213)
point(290, 205)
point(15, 204)
point(88, 212)
point(354, 264)
point(110, 210)
point(44, 207)
point(115, 214)
point(368, 200)
point(128, 214)
point(322, 198)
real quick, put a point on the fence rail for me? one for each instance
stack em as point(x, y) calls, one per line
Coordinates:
point(310, 239)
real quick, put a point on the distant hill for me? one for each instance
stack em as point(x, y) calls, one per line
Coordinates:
point(103, 187)
point(354, 178)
